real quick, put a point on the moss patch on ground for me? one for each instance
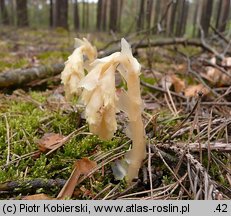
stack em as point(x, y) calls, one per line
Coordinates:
point(23, 122)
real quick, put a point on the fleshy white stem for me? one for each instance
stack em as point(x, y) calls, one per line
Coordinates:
point(136, 126)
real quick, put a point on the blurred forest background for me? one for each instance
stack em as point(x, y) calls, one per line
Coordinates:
point(168, 18)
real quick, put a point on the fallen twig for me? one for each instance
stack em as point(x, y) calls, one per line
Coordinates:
point(20, 77)
point(198, 175)
point(24, 186)
point(214, 146)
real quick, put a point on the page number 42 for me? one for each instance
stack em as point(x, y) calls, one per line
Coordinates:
point(221, 208)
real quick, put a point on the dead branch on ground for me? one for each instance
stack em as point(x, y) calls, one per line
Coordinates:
point(21, 77)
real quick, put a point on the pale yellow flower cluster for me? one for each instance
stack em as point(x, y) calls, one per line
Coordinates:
point(99, 97)
point(101, 100)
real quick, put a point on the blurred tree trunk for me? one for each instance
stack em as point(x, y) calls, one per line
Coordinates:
point(195, 27)
point(61, 14)
point(4, 13)
point(149, 13)
point(12, 7)
point(76, 15)
point(120, 8)
point(185, 17)
point(171, 19)
point(22, 16)
point(113, 15)
point(87, 15)
point(182, 14)
point(156, 14)
point(83, 14)
point(141, 17)
point(99, 15)
point(206, 14)
point(51, 14)
point(223, 15)
point(104, 15)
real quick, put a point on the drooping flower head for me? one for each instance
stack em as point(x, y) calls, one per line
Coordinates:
point(99, 97)
point(75, 65)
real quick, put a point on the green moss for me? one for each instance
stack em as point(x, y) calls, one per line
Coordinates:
point(27, 123)
point(215, 170)
point(61, 123)
point(61, 31)
point(149, 80)
point(189, 50)
point(9, 174)
point(50, 57)
point(158, 58)
point(39, 170)
point(13, 64)
point(38, 96)
point(167, 180)
point(53, 54)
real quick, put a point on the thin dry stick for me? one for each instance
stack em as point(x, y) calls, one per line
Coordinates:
point(196, 74)
point(150, 167)
point(29, 99)
point(169, 106)
point(199, 193)
point(196, 181)
point(173, 108)
point(69, 186)
point(169, 136)
point(198, 166)
point(195, 120)
point(217, 129)
point(153, 117)
point(221, 164)
point(171, 100)
point(217, 54)
point(161, 193)
point(226, 135)
point(162, 190)
point(222, 123)
point(157, 88)
point(198, 128)
point(31, 154)
point(26, 139)
point(104, 155)
point(206, 186)
point(25, 173)
point(219, 33)
point(227, 92)
point(177, 168)
point(111, 191)
point(228, 178)
point(173, 172)
point(173, 188)
point(227, 48)
point(182, 179)
point(115, 196)
point(209, 146)
point(214, 146)
point(190, 177)
point(8, 140)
